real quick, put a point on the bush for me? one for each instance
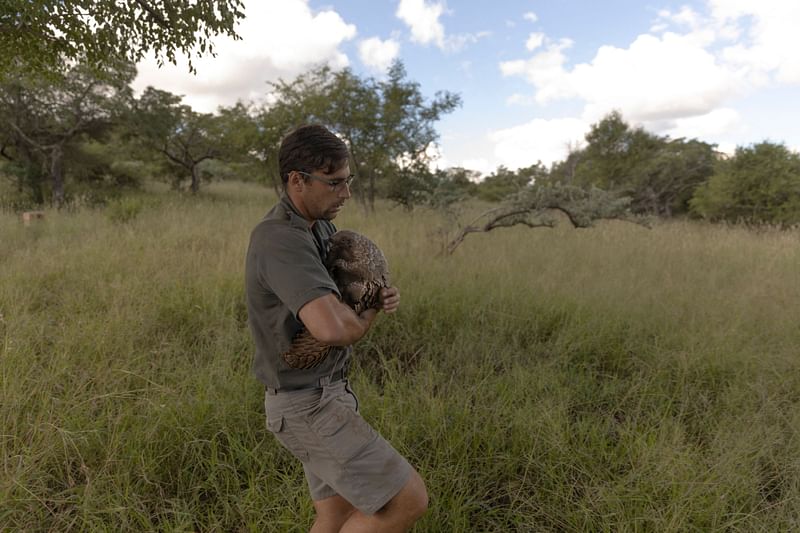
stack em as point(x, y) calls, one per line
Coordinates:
point(759, 184)
point(124, 210)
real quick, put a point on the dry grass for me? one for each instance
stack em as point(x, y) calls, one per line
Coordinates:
point(611, 379)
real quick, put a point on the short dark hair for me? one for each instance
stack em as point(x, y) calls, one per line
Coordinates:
point(311, 147)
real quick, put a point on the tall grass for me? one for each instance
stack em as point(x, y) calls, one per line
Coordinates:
point(610, 379)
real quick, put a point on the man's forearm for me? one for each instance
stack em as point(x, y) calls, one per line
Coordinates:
point(353, 327)
point(331, 322)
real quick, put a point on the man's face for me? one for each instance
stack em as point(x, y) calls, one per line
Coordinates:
point(325, 194)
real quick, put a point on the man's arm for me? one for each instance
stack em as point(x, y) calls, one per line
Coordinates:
point(332, 322)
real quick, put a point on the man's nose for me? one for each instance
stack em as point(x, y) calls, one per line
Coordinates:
point(344, 192)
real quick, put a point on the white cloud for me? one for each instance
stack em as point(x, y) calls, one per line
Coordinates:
point(531, 16)
point(544, 70)
point(711, 125)
point(481, 164)
point(459, 41)
point(378, 54)
point(534, 41)
point(680, 78)
point(655, 78)
point(769, 51)
point(423, 20)
point(271, 47)
point(538, 140)
point(685, 17)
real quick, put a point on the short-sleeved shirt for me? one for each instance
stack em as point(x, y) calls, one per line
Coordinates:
point(284, 270)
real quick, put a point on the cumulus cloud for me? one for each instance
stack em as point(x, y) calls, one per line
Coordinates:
point(769, 50)
point(538, 140)
point(545, 70)
point(480, 164)
point(653, 79)
point(534, 41)
point(422, 18)
point(531, 16)
point(678, 79)
point(279, 39)
point(378, 54)
point(719, 121)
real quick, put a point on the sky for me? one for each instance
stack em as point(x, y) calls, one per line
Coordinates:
point(533, 75)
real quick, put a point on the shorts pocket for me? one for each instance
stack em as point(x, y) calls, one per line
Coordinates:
point(278, 427)
point(342, 431)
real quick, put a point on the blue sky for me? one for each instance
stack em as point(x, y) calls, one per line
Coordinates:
point(533, 75)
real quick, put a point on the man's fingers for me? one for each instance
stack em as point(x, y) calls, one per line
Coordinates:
point(390, 299)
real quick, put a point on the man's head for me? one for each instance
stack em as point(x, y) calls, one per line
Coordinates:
point(311, 148)
point(315, 170)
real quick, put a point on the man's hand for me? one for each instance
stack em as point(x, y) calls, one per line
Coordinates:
point(390, 299)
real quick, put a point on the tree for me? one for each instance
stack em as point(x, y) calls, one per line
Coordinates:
point(239, 138)
point(295, 103)
point(760, 183)
point(504, 183)
point(658, 174)
point(45, 117)
point(388, 126)
point(407, 133)
point(668, 179)
point(535, 205)
point(45, 36)
point(184, 137)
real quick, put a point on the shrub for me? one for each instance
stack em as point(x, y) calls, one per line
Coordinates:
point(125, 209)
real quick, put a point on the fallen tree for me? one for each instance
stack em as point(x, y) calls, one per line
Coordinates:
point(535, 207)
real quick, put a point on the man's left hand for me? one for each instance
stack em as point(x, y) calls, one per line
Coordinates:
point(390, 299)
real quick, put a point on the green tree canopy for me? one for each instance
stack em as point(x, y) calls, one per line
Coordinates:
point(659, 174)
point(503, 182)
point(42, 119)
point(388, 125)
point(760, 183)
point(44, 36)
point(182, 136)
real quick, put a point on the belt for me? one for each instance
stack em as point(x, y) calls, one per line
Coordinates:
point(339, 375)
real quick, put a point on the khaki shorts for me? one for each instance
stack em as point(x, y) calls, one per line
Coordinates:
point(340, 452)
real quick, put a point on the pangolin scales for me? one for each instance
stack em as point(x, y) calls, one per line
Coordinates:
point(359, 269)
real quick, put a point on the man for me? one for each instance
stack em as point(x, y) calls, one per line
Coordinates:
point(358, 482)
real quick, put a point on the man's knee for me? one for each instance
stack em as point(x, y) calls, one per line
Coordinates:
point(334, 510)
point(412, 500)
point(420, 494)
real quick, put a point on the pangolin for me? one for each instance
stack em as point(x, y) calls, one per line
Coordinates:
point(359, 269)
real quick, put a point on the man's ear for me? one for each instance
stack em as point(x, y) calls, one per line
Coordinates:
point(295, 180)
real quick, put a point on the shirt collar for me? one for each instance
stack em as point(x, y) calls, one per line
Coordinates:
point(294, 215)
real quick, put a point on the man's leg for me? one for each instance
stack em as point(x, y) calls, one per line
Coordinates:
point(332, 513)
point(405, 508)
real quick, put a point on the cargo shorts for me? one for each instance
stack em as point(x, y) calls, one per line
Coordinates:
point(341, 453)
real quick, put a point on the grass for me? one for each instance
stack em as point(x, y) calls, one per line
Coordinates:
point(611, 379)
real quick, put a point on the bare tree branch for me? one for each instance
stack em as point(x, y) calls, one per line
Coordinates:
point(582, 207)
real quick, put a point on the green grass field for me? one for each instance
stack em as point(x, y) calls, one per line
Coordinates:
point(609, 379)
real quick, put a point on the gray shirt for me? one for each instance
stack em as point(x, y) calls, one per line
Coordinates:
point(285, 270)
